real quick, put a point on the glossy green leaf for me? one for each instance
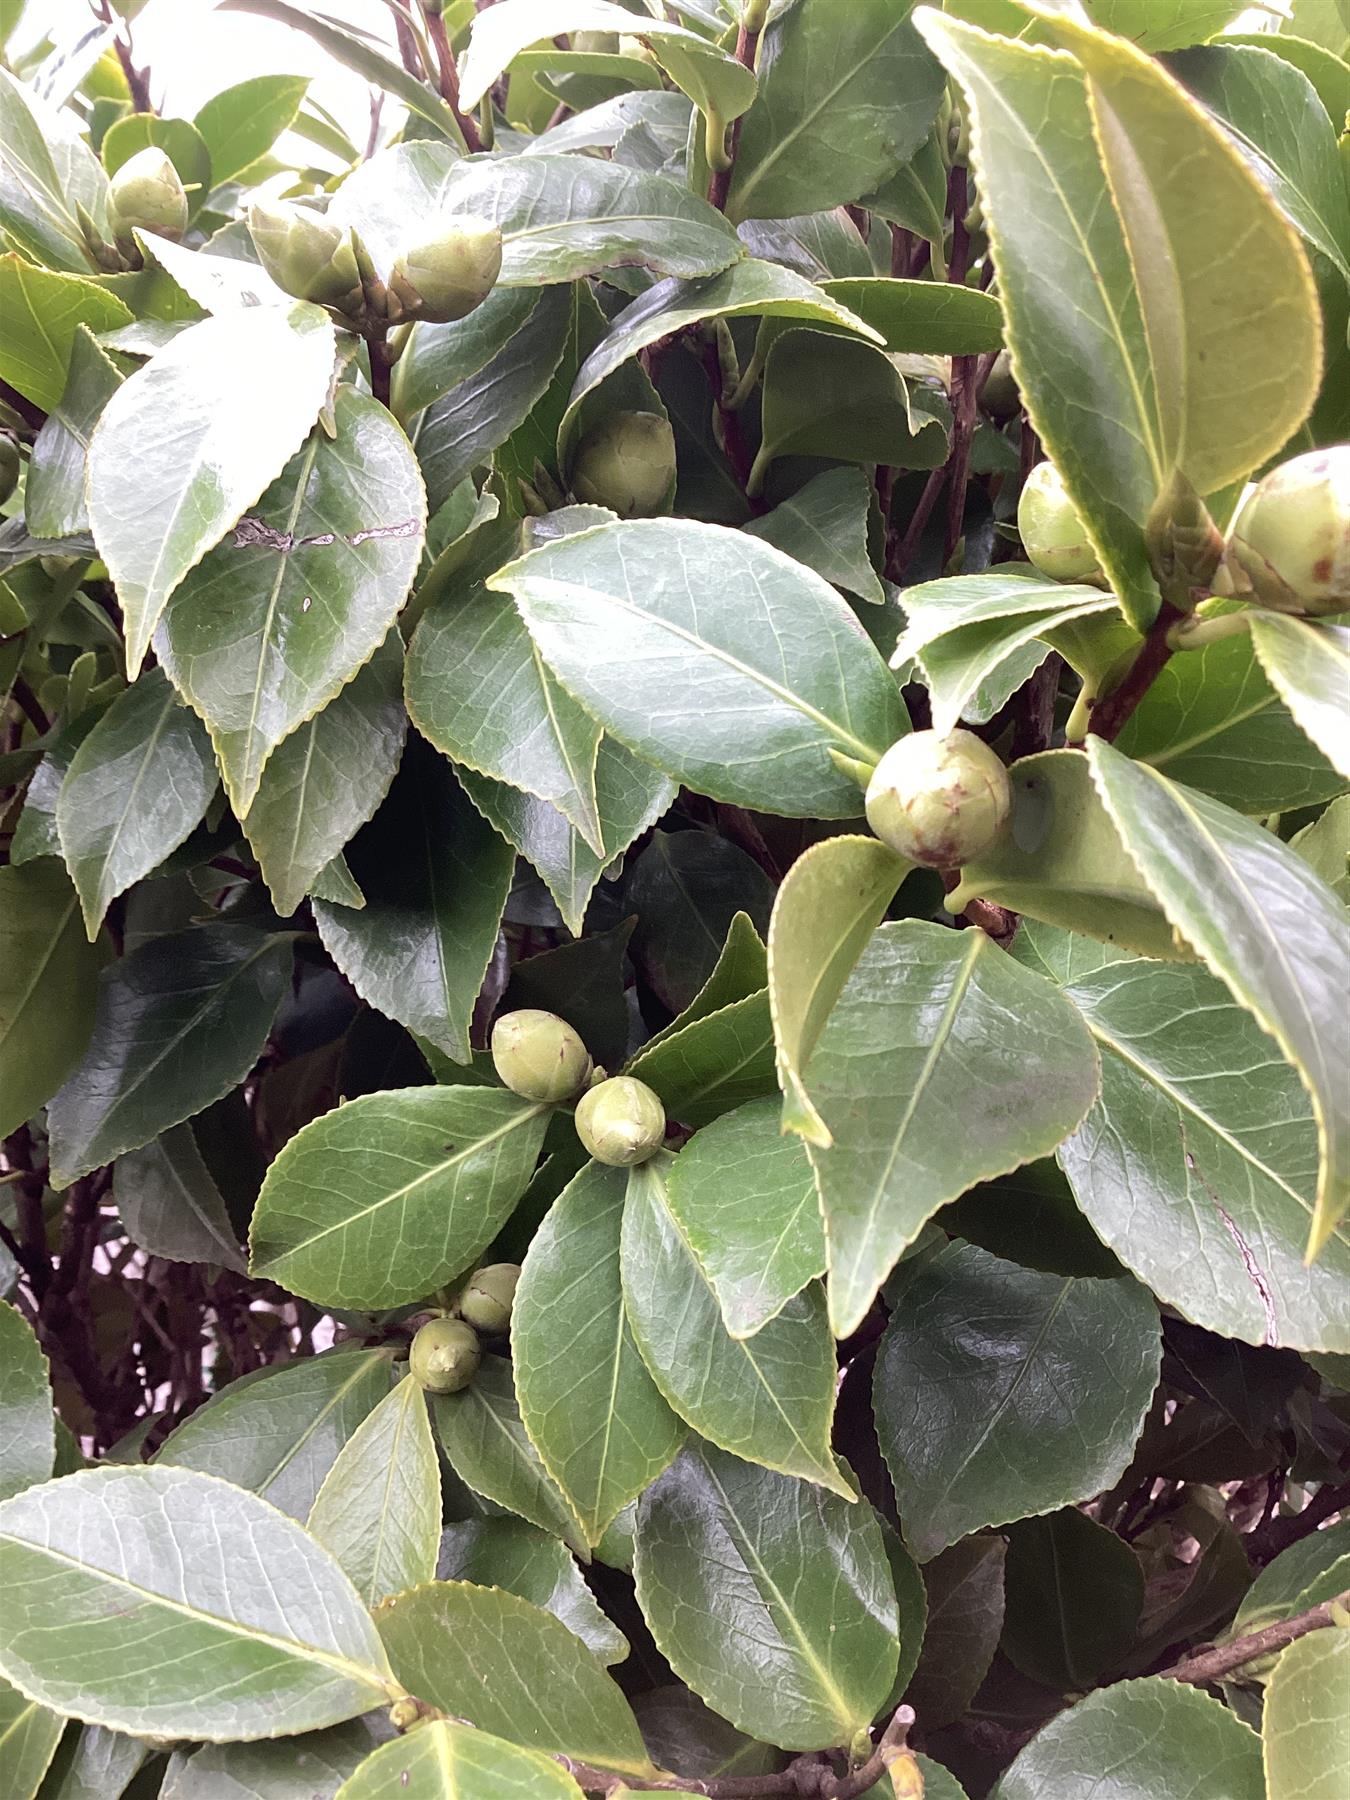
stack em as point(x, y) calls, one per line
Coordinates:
point(382, 1200)
point(34, 212)
point(1001, 1392)
point(324, 781)
point(29, 1735)
point(772, 675)
point(833, 899)
point(1305, 1731)
point(485, 1442)
point(1263, 923)
point(93, 1763)
point(212, 283)
point(1327, 71)
point(1325, 846)
point(739, 969)
point(379, 1508)
point(1156, 1737)
point(1074, 1594)
point(43, 311)
point(1061, 860)
point(435, 876)
point(439, 358)
point(927, 317)
point(1198, 1164)
point(770, 1399)
point(917, 1039)
point(1311, 1566)
point(745, 1196)
point(964, 1595)
point(181, 142)
point(507, 1553)
point(312, 1767)
point(190, 1608)
point(714, 1065)
point(844, 99)
point(180, 1021)
point(771, 1599)
point(688, 889)
point(158, 503)
point(137, 786)
point(587, 1401)
point(1163, 24)
point(279, 1430)
point(443, 1761)
point(27, 1432)
point(47, 987)
point(680, 1730)
point(54, 502)
point(241, 123)
point(499, 1663)
point(1310, 666)
point(273, 623)
point(824, 525)
point(171, 1206)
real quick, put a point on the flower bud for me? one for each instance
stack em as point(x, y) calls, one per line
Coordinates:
point(305, 254)
point(539, 1056)
point(146, 195)
point(939, 801)
point(445, 1356)
point(1052, 532)
point(626, 463)
point(486, 1297)
point(450, 273)
point(1000, 395)
point(1289, 548)
point(621, 1122)
point(10, 465)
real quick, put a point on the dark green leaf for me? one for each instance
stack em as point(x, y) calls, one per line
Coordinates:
point(27, 1432)
point(1074, 1593)
point(47, 987)
point(508, 1554)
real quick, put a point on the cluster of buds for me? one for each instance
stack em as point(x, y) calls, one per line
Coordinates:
point(619, 1120)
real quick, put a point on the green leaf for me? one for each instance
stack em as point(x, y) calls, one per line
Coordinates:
point(276, 620)
point(130, 1556)
point(328, 778)
point(47, 987)
point(1062, 860)
point(844, 99)
point(485, 1442)
point(1305, 1732)
point(27, 1430)
point(745, 1196)
point(1312, 1566)
point(773, 670)
point(93, 1763)
point(1156, 1737)
point(507, 1553)
point(241, 123)
point(713, 1065)
point(678, 1728)
point(1309, 664)
point(771, 1599)
point(29, 1735)
point(158, 503)
point(508, 1667)
point(379, 1508)
point(1198, 1164)
point(278, 1431)
point(1325, 846)
point(928, 317)
point(833, 899)
point(1263, 923)
point(1074, 1594)
point(136, 788)
point(561, 217)
point(1211, 719)
point(1326, 70)
point(312, 1767)
point(769, 1400)
point(180, 1021)
point(1001, 1392)
point(382, 1200)
point(442, 1761)
point(596, 1417)
point(916, 1040)
point(43, 313)
point(439, 358)
point(53, 495)
point(688, 889)
point(171, 1206)
point(212, 284)
point(824, 526)
point(1163, 24)
point(34, 213)
point(435, 876)
point(965, 1605)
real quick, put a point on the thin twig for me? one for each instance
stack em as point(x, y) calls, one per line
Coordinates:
point(1267, 1541)
point(1109, 715)
point(448, 75)
point(1213, 1665)
point(719, 181)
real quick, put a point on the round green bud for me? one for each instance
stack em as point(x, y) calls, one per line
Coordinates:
point(486, 1297)
point(1052, 532)
point(939, 801)
point(1000, 395)
point(450, 273)
point(10, 465)
point(1289, 548)
point(621, 1121)
point(626, 463)
point(305, 254)
point(445, 1356)
point(539, 1056)
point(146, 195)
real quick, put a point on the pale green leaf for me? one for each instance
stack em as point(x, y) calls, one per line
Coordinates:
point(241, 123)
point(1309, 664)
point(454, 1762)
point(29, 1735)
point(53, 495)
point(1305, 1728)
point(43, 311)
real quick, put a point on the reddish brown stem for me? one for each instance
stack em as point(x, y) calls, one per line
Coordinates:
point(1109, 715)
point(719, 182)
point(448, 77)
point(1213, 1665)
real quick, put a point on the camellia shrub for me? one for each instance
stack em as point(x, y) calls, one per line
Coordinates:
point(674, 1047)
